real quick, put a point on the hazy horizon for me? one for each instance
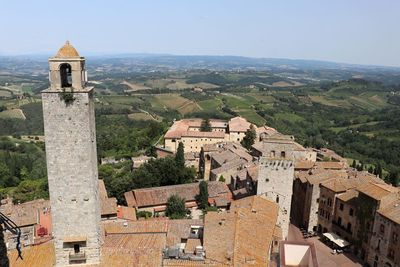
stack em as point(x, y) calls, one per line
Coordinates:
point(356, 32)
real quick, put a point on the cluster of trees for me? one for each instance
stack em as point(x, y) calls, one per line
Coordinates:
point(249, 138)
point(120, 136)
point(156, 172)
point(176, 208)
point(205, 126)
point(23, 173)
point(33, 124)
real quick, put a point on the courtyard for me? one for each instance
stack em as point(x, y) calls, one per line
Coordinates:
point(324, 252)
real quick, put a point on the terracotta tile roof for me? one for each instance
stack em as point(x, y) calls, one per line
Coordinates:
point(102, 190)
point(34, 256)
point(243, 235)
point(224, 157)
point(67, 51)
point(191, 245)
point(178, 229)
point(130, 199)
point(303, 165)
point(212, 147)
point(252, 171)
point(333, 165)
point(220, 135)
point(340, 185)
point(377, 191)
point(227, 152)
point(234, 164)
point(264, 146)
point(127, 213)
point(133, 250)
point(182, 128)
point(241, 152)
point(391, 211)
point(239, 192)
point(238, 124)
point(348, 195)
point(317, 176)
point(242, 175)
point(156, 196)
point(266, 130)
point(364, 176)
point(26, 213)
point(118, 250)
point(109, 206)
point(327, 153)
point(190, 263)
point(144, 226)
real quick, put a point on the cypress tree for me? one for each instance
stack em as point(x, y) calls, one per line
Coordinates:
point(180, 156)
point(202, 197)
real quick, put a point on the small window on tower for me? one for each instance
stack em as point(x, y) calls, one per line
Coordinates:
point(66, 75)
point(77, 248)
point(277, 199)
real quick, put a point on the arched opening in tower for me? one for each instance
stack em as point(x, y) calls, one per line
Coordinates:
point(66, 75)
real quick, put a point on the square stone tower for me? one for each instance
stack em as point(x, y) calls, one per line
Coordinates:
point(275, 182)
point(69, 126)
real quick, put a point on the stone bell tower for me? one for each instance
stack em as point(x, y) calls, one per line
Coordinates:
point(69, 126)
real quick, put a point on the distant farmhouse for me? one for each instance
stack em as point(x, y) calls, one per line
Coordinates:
point(188, 131)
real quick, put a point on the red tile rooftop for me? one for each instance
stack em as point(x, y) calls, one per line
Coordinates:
point(157, 196)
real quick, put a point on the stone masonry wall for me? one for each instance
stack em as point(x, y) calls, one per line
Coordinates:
point(72, 173)
point(313, 213)
point(275, 181)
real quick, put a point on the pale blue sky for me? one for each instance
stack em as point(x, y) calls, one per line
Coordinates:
point(351, 31)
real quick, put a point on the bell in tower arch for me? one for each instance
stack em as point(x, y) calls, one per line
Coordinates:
point(67, 69)
point(66, 75)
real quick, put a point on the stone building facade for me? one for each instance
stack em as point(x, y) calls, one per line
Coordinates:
point(69, 124)
point(188, 132)
point(344, 221)
point(385, 243)
point(275, 181)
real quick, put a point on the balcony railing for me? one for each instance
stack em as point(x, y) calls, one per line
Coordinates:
point(80, 256)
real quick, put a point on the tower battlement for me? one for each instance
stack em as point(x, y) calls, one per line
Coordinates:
point(276, 163)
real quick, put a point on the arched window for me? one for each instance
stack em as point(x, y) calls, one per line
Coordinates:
point(273, 154)
point(283, 154)
point(65, 73)
point(277, 199)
